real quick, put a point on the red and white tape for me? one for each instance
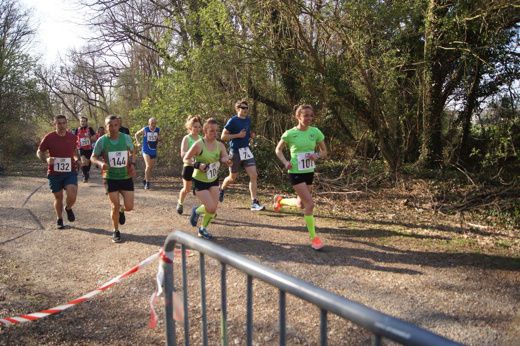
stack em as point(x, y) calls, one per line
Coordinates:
point(44, 313)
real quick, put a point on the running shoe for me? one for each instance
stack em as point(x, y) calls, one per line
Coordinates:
point(59, 224)
point(194, 218)
point(179, 208)
point(147, 186)
point(317, 244)
point(203, 233)
point(221, 195)
point(70, 215)
point(122, 217)
point(144, 184)
point(116, 237)
point(277, 206)
point(256, 206)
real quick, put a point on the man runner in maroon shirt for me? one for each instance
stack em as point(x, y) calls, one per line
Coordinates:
point(58, 149)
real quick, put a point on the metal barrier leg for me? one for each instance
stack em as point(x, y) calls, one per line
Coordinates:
point(168, 302)
point(185, 295)
point(223, 306)
point(376, 340)
point(282, 318)
point(249, 311)
point(323, 327)
point(204, 326)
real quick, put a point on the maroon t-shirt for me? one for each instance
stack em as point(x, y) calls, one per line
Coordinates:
point(62, 147)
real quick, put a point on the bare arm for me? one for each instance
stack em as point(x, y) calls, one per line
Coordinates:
point(137, 134)
point(194, 151)
point(224, 157)
point(184, 146)
point(323, 150)
point(42, 155)
point(279, 154)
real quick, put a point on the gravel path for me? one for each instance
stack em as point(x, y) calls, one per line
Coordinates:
point(398, 266)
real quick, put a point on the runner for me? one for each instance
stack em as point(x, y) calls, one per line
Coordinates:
point(115, 153)
point(302, 141)
point(238, 131)
point(149, 148)
point(122, 129)
point(85, 137)
point(193, 125)
point(208, 154)
point(100, 133)
point(58, 149)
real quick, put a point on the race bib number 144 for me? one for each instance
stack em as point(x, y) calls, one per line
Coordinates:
point(117, 159)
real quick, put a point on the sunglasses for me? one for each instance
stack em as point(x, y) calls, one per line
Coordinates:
point(243, 107)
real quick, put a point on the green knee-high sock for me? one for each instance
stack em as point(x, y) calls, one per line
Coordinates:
point(207, 219)
point(289, 202)
point(309, 220)
point(201, 209)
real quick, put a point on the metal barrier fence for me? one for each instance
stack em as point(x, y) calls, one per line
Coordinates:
point(381, 325)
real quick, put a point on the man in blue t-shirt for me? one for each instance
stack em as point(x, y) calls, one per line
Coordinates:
point(238, 132)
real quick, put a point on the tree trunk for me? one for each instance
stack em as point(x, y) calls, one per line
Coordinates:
point(471, 103)
point(431, 147)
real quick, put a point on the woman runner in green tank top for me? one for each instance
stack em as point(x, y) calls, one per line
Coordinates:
point(208, 154)
point(302, 141)
point(193, 125)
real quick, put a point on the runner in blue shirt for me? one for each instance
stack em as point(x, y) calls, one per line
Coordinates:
point(149, 148)
point(238, 132)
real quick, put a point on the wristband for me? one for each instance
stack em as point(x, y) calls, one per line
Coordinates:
point(196, 165)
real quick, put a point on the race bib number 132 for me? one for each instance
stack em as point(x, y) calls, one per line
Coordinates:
point(62, 164)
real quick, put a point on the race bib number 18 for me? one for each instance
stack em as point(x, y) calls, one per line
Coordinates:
point(117, 159)
point(304, 162)
point(212, 171)
point(245, 153)
point(62, 164)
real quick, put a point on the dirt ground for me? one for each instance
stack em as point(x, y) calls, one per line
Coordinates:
point(458, 281)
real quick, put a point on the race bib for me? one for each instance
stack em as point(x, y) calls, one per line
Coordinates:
point(83, 142)
point(212, 171)
point(151, 136)
point(117, 159)
point(304, 162)
point(245, 153)
point(62, 164)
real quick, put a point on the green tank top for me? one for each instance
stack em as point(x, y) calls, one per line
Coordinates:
point(212, 158)
point(191, 141)
point(117, 157)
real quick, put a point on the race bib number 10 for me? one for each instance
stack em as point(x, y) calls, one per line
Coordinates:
point(212, 171)
point(117, 159)
point(245, 153)
point(304, 162)
point(62, 164)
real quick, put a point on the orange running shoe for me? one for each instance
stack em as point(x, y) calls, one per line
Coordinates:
point(317, 244)
point(277, 206)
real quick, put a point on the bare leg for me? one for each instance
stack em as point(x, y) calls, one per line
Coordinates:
point(253, 176)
